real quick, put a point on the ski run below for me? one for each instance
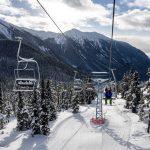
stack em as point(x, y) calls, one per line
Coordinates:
point(121, 131)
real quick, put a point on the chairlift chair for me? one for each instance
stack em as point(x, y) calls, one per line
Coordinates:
point(77, 83)
point(25, 76)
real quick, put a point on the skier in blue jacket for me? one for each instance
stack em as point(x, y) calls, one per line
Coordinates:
point(108, 95)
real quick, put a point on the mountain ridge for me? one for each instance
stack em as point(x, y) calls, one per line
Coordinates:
point(87, 51)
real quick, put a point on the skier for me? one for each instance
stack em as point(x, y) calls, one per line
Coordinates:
point(108, 95)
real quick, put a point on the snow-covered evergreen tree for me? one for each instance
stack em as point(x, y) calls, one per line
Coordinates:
point(23, 118)
point(8, 110)
point(58, 96)
point(50, 103)
point(2, 104)
point(44, 116)
point(125, 84)
point(65, 99)
point(82, 97)
point(75, 104)
point(36, 128)
point(135, 90)
point(2, 119)
point(144, 106)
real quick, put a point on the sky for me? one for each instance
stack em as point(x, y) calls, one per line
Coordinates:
point(132, 17)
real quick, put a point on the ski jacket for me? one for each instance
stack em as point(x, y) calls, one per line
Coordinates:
point(108, 94)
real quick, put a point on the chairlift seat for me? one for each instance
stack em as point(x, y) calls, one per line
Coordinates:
point(25, 82)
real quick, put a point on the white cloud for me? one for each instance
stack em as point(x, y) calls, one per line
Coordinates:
point(65, 14)
point(134, 19)
point(139, 3)
point(12, 11)
point(5, 2)
point(141, 42)
point(110, 6)
point(32, 3)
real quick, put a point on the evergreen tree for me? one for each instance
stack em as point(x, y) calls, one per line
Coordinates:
point(2, 122)
point(50, 103)
point(65, 99)
point(23, 120)
point(75, 104)
point(36, 129)
point(82, 97)
point(58, 91)
point(135, 90)
point(70, 94)
point(8, 110)
point(1, 101)
point(44, 116)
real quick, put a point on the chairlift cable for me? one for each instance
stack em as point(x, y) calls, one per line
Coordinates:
point(66, 37)
point(51, 18)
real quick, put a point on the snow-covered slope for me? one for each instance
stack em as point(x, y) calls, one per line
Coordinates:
point(82, 36)
point(41, 34)
point(4, 29)
point(122, 131)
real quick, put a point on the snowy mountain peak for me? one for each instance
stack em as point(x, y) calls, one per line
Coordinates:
point(4, 26)
point(82, 36)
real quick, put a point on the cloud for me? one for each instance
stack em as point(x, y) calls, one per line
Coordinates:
point(141, 42)
point(139, 3)
point(12, 11)
point(134, 19)
point(110, 6)
point(5, 2)
point(66, 13)
point(74, 4)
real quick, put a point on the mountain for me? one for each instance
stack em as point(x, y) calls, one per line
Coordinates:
point(85, 51)
point(90, 51)
point(32, 47)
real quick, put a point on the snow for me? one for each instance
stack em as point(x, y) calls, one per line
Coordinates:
point(5, 31)
point(121, 131)
point(75, 34)
point(91, 36)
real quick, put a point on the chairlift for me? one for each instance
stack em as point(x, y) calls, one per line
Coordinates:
point(89, 85)
point(77, 83)
point(26, 78)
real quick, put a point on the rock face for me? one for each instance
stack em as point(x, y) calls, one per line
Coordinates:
point(86, 51)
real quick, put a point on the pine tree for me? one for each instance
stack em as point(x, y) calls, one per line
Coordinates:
point(75, 104)
point(1, 101)
point(135, 90)
point(64, 99)
point(50, 103)
point(23, 120)
point(44, 116)
point(36, 129)
point(82, 97)
point(59, 102)
point(2, 122)
point(70, 94)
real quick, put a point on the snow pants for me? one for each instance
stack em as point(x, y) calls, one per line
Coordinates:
point(110, 101)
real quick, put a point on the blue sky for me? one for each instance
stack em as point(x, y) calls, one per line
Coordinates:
point(132, 18)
